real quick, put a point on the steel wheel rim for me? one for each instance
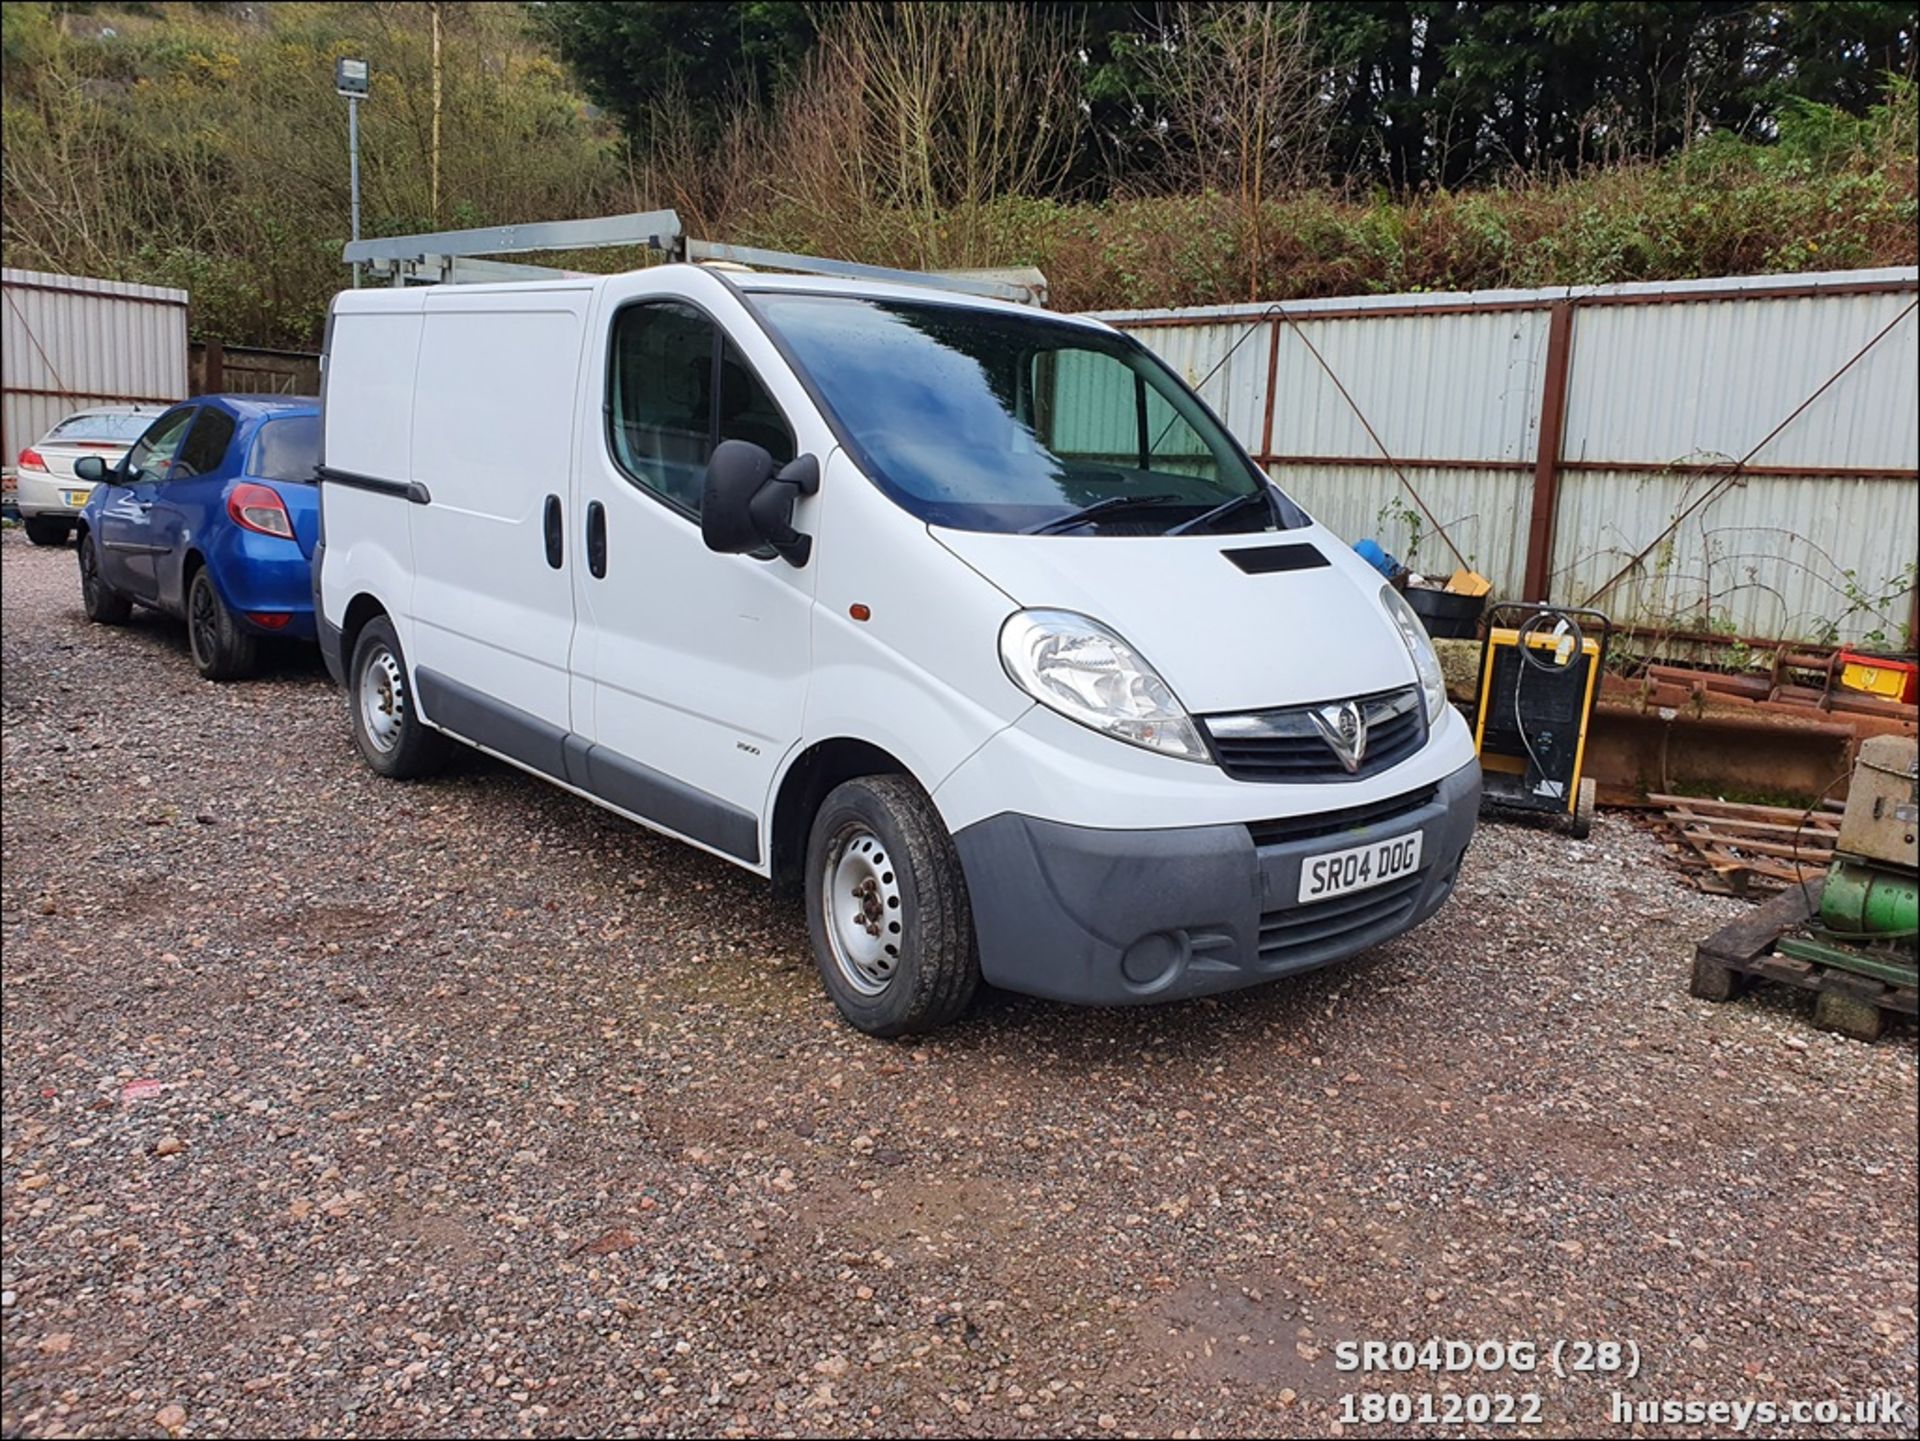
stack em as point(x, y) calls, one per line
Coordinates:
point(861, 902)
point(383, 699)
point(203, 620)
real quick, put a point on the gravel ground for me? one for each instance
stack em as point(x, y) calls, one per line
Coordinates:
point(336, 1106)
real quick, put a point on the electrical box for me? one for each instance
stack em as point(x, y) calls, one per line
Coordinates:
point(1882, 821)
point(1540, 672)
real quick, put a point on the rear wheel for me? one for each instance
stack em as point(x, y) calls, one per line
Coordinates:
point(48, 529)
point(104, 605)
point(221, 649)
point(887, 909)
point(386, 725)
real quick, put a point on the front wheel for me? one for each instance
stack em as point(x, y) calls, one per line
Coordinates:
point(887, 909)
point(386, 724)
point(221, 649)
point(104, 605)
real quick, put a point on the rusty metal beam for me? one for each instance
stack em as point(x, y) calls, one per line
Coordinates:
point(97, 294)
point(1273, 382)
point(1491, 307)
point(1677, 467)
point(1546, 465)
point(90, 395)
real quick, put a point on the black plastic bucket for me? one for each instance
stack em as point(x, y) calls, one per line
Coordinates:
point(1445, 614)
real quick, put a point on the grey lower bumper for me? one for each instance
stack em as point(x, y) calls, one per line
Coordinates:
point(327, 634)
point(1102, 917)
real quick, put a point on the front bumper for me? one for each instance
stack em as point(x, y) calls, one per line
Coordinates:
point(40, 494)
point(1119, 917)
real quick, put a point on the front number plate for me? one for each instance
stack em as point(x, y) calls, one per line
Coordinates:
point(1355, 869)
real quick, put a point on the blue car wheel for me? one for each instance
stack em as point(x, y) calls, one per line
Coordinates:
point(221, 650)
point(104, 605)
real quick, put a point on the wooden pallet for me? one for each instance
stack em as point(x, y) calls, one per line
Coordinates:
point(1741, 952)
point(1730, 848)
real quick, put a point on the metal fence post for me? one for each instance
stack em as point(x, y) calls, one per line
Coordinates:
point(1546, 465)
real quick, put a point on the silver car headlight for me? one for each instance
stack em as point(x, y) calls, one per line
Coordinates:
point(1078, 667)
point(1433, 684)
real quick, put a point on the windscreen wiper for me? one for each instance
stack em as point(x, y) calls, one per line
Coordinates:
point(1219, 512)
point(1101, 507)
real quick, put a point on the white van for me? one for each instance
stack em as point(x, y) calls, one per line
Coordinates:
point(968, 620)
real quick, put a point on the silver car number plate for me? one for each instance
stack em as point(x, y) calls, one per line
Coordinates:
point(1338, 872)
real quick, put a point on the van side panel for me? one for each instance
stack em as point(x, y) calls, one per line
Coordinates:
point(373, 348)
point(493, 406)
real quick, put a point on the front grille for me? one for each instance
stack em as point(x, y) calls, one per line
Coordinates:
point(1286, 745)
point(1348, 818)
point(1302, 934)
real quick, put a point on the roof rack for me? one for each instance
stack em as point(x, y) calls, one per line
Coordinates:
point(453, 257)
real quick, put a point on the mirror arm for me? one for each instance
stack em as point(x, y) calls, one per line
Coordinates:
point(772, 511)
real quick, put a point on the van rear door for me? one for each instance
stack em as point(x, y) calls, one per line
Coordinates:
point(493, 426)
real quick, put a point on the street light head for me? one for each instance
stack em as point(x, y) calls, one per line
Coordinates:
point(351, 78)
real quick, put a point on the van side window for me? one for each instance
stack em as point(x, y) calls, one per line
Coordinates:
point(1092, 410)
point(677, 387)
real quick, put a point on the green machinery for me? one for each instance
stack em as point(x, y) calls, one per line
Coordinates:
point(1871, 901)
point(1853, 935)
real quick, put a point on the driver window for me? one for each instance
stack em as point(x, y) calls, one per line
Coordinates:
point(667, 412)
point(152, 455)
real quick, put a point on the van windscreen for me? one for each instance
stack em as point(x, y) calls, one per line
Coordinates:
point(993, 420)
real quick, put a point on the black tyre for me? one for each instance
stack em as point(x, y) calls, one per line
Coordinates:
point(221, 649)
point(104, 605)
point(887, 909)
point(48, 529)
point(386, 724)
point(1585, 803)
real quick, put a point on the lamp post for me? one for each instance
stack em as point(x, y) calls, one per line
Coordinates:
point(352, 79)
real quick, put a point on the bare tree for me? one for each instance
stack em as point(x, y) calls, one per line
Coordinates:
point(1245, 109)
point(931, 112)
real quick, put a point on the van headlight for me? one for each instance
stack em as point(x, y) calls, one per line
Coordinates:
point(1433, 684)
point(1079, 668)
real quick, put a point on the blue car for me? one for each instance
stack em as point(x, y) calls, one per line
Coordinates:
point(211, 517)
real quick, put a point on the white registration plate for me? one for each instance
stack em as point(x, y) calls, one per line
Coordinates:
point(1355, 869)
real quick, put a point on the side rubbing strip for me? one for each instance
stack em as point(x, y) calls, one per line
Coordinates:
point(1265, 559)
point(545, 747)
point(411, 490)
point(493, 724)
point(673, 804)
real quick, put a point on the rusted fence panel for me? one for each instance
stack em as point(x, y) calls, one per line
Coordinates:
point(251, 370)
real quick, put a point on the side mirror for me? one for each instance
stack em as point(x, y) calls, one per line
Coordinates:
point(90, 468)
point(744, 505)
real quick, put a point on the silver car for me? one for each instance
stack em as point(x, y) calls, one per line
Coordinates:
point(50, 495)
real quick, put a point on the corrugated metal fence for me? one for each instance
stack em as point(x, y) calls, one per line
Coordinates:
point(67, 342)
point(1580, 444)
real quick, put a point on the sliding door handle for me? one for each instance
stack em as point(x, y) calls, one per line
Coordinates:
point(596, 539)
point(556, 553)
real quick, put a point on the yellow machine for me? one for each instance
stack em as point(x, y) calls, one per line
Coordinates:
point(1540, 670)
